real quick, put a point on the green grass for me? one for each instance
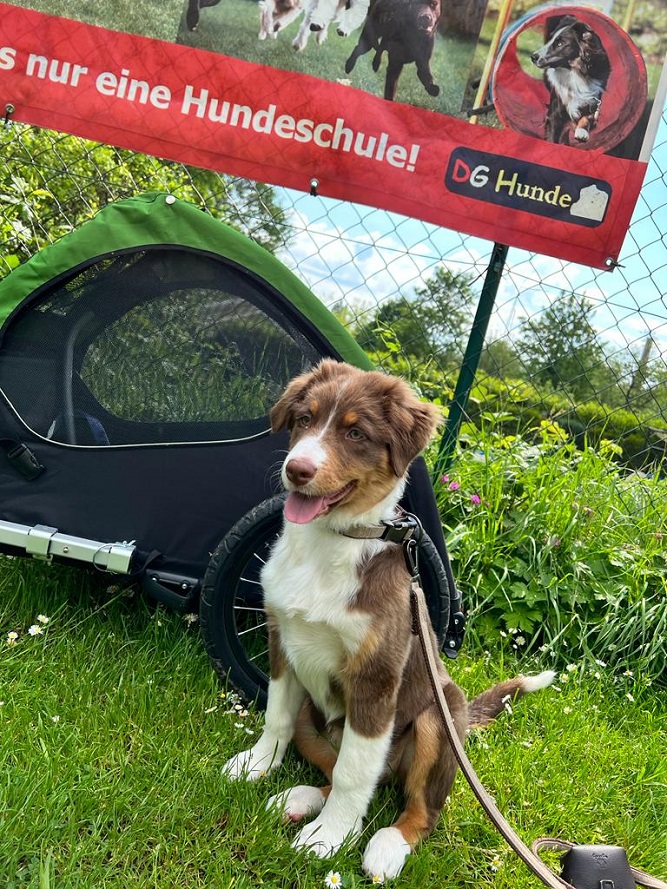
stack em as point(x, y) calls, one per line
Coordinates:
point(113, 732)
point(152, 18)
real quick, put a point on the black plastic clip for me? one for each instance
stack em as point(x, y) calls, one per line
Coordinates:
point(9, 110)
point(454, 635)
point(402, 530)
point(314, 185)
point(25, 461)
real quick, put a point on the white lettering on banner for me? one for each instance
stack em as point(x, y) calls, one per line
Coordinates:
point(54, 70)
point(336, 136)
point(7, 58)
point(125, 87)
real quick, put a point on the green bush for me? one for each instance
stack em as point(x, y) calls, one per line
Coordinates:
point(560, 549)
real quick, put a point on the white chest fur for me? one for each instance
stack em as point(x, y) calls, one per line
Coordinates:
point(310, 582)
point(574, 90)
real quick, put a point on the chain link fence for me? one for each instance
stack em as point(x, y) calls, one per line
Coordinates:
point(565, 343)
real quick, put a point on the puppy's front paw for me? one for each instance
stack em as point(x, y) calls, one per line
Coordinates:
point(385, 854)
point(325, 836)
point(250, 765)
point(298, 803)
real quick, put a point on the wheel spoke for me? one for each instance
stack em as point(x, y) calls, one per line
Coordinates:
point(252, 629)
point(261, 654)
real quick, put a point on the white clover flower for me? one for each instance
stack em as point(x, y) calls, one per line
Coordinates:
point(333, 879)
point(55, 719)
point(567, 710)
point(12, 638)
point(191, 618)
point(43, 619)
point(35, 630)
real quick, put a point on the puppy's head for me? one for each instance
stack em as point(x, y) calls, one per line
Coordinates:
point(353, 434)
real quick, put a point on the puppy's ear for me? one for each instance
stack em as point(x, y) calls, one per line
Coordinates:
point(413, 425)
point(282, 412)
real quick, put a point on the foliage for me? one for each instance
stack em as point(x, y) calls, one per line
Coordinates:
point(560, 547)
point(561, 349)
point(430, 326)
point(53, 183)
point(517, 407)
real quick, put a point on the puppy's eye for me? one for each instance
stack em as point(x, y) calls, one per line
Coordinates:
point(304, 421)
point(355, 434)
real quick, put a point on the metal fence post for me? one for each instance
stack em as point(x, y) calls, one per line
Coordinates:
point(471, 358)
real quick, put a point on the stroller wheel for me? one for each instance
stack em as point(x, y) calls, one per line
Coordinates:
point(233, 623)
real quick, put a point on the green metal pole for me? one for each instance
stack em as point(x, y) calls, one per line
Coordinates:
point(471, 358)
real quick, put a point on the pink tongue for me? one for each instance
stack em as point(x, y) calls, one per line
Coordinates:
point(301, 509)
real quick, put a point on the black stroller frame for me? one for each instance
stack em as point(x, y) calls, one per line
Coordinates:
point(139, 359)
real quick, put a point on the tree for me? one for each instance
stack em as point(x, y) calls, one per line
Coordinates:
point(561, 348)
point(431, 324)
point(51, 183)
point(499, 359)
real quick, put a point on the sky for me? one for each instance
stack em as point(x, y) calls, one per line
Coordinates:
point(359, 255)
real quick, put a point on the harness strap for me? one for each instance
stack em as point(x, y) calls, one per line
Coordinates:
point(400, 530)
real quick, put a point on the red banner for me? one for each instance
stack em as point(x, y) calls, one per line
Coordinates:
point(282, 127)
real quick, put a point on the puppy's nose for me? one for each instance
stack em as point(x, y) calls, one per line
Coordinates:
point(300, 470)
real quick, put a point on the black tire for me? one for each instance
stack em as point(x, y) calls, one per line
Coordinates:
point(233, 623)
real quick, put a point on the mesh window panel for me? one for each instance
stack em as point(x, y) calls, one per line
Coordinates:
point(154, 346)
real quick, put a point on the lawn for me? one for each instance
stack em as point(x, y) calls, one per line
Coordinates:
point(114, 729)
point(152, 18)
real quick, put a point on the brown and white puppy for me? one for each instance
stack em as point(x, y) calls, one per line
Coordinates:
point(348, 682)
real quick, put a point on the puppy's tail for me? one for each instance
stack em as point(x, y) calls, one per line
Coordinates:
point(483, 709)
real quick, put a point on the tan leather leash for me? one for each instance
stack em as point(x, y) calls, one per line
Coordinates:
point(421, 628)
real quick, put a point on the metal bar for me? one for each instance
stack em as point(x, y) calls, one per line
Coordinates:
point(471, 358)
point(40, 541)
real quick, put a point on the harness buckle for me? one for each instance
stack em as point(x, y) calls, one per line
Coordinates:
point(402, 530)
